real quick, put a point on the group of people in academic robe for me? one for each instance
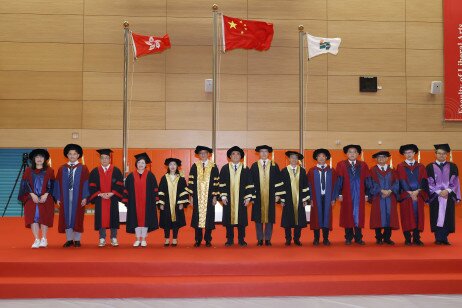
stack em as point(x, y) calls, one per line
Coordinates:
point(151, 205)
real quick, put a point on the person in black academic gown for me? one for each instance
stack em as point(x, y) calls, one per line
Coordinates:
point(444, 189)
point(106, 188)
point(203, 186)
point(173, 198)
point(296, 198)
point(269, 189)
point(140, 197)
point(236, 191)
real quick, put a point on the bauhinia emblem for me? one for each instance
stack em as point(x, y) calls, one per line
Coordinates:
point(153, 43)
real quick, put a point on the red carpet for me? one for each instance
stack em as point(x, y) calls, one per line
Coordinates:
point(186, 271)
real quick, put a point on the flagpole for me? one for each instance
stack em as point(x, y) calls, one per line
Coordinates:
point(301, 82)
point(125, 98)
point(214, 79)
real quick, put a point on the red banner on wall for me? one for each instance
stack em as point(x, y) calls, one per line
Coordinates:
point(453, 60)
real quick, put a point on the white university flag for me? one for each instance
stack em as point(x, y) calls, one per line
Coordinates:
point(321, 45)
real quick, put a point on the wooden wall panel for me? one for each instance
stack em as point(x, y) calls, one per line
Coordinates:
point(424, 35)
point(39, 6)
point(345, 89)
point(382, 62)
point(430, 11)
point(67, 57)
point(40, 57)
point(369, 118)
point(40, 85)
point(372, 10)
point(368, 34)
point(424, 62)
point(41, 28)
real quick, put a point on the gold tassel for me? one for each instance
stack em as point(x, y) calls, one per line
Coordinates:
point(330, 162)
point(362, 155)
point(49, 162)
point(418, 157)
point(450, 157)
point(83, 159)
point(391, 162)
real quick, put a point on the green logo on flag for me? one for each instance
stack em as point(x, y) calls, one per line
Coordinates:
point(324, 45)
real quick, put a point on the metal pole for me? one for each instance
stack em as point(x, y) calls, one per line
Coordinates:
point(301, 82)
point(214, 79)
point(125, 98)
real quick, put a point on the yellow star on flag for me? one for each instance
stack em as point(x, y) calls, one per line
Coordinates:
point(232, 24)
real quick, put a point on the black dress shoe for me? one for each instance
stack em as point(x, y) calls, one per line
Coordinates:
point(360, 242)
point(174, 245)
point(197, 244)
point(227, 244)
point(68, 244)
point(418, 243)
point(389, 242)
point(260, 243)
point(242, 243)
point(316, 242)
point(208, 244)
point(287, 243)
point(326, 242)
point(347, 242)
point(407, 243)
point(268, 243)
point(379, 242)
point(167, 244)
point(298, 243)
point(77, 244)
point(446, 243)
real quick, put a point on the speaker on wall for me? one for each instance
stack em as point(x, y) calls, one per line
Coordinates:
point(367, 84)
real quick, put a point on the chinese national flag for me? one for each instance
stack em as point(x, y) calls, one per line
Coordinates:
point(246, 34)
point(145, 44)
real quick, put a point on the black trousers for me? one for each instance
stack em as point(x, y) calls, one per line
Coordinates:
point(240, 233)
point(207, 236)
point(325, 234)
point(174, 231)
point(415, 235)
point(297, 233)
point(441, 234)
point(385, 235)
point(353, 233)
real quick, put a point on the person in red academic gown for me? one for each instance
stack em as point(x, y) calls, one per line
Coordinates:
point(323, 184)
point(173, 198)
point(296, 198)
point(106, 189)
point(385, 188)
point(413, 183)
point(354, 185)
point(35, 193)
point(444, 188)
point(71, 193)
point(140, 197)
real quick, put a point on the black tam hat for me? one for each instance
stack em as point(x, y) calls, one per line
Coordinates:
point(202, 148)
point(41, 152)
point(264, 147)
point(144, 156)
point(321, 151)
point(444, 146)
point(381, 153)
point(354, 146)
point(300, 156)
point(104, 152)
point(75, 147)
point(406, 147)
point(171, 159)
point(235, 149)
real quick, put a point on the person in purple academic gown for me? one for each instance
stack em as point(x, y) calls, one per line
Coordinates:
point(444, 193)
point(385, 188)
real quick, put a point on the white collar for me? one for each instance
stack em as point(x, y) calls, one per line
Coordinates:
point(75, 164)
point(205, 163)
point(409, 162)
point(352, 161)
point(292, 167)
point(264, 161)
point(384, 166)
point(107, 167)
point(320, 166)
point(440, 162)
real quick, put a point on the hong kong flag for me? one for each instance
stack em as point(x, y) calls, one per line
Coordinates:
point(246, 34)
point(146, 44)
